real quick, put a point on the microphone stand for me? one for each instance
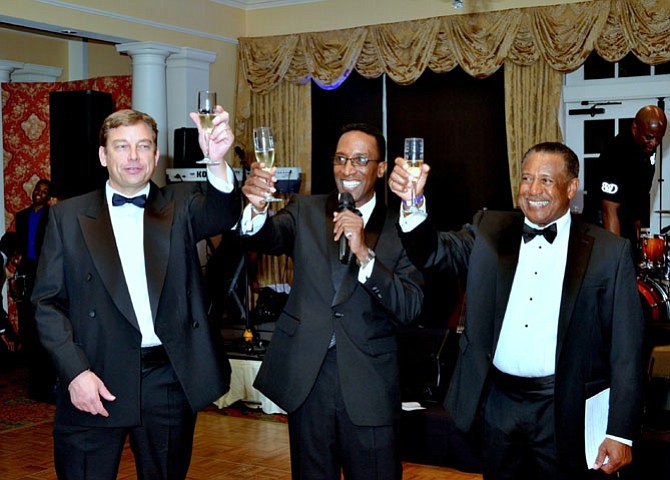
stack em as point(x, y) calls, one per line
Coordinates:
point(249, 342)
point(661, 105)
point(248, 335)
point(663, 230)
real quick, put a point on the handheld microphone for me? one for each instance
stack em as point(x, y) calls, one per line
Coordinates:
point(346, 203)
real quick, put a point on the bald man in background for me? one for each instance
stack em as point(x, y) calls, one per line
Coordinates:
point(627, 169)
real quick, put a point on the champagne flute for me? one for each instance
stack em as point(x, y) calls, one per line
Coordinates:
point(207, 112)
point(414, 158)
point(264, 148)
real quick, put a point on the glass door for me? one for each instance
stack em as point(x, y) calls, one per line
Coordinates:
point(596, 107)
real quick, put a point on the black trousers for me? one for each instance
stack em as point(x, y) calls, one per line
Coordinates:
point(161, 445)
point(324, 441)
point(519, 432)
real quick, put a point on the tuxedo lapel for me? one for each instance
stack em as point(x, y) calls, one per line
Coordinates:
point(373, 229)
point(96, 228)
point(374, 226)
point(508, 258)
point(337, 269)
point(580, 245)
point(158, 217)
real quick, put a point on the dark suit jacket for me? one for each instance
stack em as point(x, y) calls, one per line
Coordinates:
point(83, 309)
point(326, 296)
point(21, 227)
point(600, 327)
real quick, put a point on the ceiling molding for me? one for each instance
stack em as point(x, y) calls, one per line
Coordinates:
point(116, 16)
point(59, 31)
point(258, 4)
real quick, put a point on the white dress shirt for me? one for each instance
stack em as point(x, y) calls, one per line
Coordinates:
point(527, 343)
point(128, 225)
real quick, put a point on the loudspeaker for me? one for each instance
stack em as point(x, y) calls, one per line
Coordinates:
point(186, 148)
point(76, 118)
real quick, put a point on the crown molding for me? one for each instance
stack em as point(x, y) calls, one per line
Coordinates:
point(116, 16)
point(258, 4)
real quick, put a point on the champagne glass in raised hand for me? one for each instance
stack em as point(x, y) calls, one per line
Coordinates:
point(207, 112)
point(264, 148)
point(414, 158)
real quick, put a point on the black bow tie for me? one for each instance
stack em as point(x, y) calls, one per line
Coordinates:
point(138, 201)
point(530, 233)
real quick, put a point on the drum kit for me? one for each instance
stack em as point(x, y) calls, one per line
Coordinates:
point(653, 280)
point(653, 284)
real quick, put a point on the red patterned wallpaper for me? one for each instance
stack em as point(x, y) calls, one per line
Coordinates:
point(25, 124)
point(25, 129)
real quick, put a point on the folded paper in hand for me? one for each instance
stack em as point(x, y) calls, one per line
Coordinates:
point(595, 424)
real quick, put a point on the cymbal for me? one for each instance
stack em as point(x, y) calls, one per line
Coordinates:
point(661, 211)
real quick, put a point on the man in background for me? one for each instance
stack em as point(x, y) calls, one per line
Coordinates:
point(332, 363)
point(627, 167)
point(121, 307)
point(30, 226)
point(553, 317)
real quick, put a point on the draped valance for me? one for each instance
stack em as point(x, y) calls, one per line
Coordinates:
point(536, 45)
point(562, 35)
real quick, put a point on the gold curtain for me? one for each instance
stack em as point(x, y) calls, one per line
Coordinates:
point(287, 109)
point(530, 92)
point(562, 36)
point(551, 40)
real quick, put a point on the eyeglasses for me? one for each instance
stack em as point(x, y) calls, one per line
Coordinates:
point(357, 161)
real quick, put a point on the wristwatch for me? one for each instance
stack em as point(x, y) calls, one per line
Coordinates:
point(364, 263)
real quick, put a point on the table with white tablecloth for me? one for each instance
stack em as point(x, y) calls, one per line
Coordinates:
point(241, 386)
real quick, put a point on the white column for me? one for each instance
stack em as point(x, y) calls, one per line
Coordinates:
point(187, 72)
point(150, 91)
point(6, 69)
point(77, 54)
point(36, 73)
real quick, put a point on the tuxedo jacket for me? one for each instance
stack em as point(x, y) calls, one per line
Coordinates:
point(327, 297)
point(84, 313)
point(600, 327)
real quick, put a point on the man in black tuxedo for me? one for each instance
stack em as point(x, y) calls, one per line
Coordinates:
point(121, 308)
point(553, 317)
point(332, 363)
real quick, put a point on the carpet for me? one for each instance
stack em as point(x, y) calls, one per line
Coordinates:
point(16, 409)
